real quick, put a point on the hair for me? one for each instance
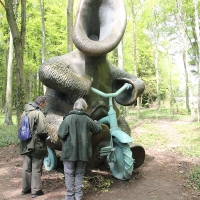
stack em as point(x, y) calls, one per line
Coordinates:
point(40, 99)
point(80, 104)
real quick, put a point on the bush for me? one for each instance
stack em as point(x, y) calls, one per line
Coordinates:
point(195, 177)
point(8, 135)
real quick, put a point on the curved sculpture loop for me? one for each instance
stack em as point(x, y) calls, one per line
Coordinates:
point(98, 29)
point(99, 26)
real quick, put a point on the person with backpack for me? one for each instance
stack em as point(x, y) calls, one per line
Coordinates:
point(75, 131)
point(34, 149)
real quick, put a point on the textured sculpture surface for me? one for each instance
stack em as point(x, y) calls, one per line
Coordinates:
point(98, 29)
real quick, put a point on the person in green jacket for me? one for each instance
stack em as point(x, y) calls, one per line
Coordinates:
point(75, 131)
point(35, 149)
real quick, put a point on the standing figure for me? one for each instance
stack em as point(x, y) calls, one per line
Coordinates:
point(34, 149)
point(74, 131)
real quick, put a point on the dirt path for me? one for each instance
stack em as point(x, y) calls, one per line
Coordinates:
point(163, 176)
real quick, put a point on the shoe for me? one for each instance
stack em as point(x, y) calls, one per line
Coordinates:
point(38, 193)
point(26, 192)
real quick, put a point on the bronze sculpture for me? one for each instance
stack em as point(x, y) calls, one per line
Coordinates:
point(98, 29)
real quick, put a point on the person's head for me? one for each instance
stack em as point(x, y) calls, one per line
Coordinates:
point(80, 104)
point(41, 101)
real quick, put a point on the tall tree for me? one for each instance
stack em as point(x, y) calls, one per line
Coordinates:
point(135, 51)
point(171, 99)
point(155, 14)
point(195, 3)
point(120, 55)
point(43, 29)
point(18, 42)
point(8, 107)
point(43, 36)
point(181, 18)
point(121, 66)
point(70, 25)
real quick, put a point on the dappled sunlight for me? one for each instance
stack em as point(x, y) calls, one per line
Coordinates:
point(164, 172)
point(4, 171)
point(8, 195)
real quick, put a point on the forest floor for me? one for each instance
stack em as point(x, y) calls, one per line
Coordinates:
point(163, 176)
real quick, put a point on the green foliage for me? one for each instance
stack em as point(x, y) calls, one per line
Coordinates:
point(97, 182)
point(195, 176)
point(8, 134)
point(152, 113)
point(56, 42)
point(190, 139)
point(145, 46)
point(151, 136)
point(56, 34)
point(145, 24)
point(4, 43)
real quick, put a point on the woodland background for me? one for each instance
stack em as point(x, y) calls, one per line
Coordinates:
point(161, 45)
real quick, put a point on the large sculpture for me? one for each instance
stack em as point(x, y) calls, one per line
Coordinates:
point(98, 29)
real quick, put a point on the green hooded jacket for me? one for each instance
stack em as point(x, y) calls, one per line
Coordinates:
point(36, 146)
point(74, 131)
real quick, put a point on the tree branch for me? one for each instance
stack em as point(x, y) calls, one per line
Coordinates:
point(23, 21)
point(11, 19)
point(2, 4)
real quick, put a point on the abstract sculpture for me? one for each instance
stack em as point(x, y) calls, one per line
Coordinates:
point(98, 29)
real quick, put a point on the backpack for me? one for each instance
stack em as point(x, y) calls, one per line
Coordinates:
point(24, 132)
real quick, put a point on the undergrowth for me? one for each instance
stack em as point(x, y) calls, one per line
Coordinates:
point(190, 144)
point(97, 182)
point(8, 134)
point(195, 176)
point(150, 135)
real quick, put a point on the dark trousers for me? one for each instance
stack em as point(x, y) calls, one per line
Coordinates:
point(31, 173)
point(74, 173)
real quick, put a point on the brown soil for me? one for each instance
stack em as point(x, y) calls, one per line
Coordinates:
point(163, 176)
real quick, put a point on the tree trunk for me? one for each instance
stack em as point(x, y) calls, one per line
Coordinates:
point(157, 78)
point(181, 25)
point(169, 84)
point(8, 107)
point(135, 52)
point(195, 3)
point(43, 29)
point(18, 41)
point(156, 63)
point(43, 40)
point(121, 66)
point(70, 25)
point(120, 56)
point(185, 62)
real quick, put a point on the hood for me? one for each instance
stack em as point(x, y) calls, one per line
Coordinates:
point(31, 106)
point(76, 112)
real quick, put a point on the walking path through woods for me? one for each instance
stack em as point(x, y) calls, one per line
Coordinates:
point(163, 176)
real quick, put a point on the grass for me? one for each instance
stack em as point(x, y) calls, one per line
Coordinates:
point(191, 139)
point(151, 135)
point(8, 134)
point(151, 113)
point(195, 176)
